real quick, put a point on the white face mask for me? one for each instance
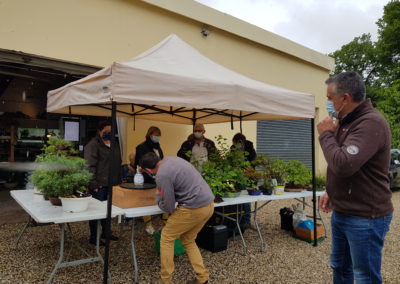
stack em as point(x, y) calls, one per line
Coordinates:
point(107, 144)
point(198, 134)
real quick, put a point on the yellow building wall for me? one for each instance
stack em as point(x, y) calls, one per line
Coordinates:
point(99, 32)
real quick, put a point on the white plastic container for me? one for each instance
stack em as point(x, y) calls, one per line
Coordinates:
point(75, 205)
point(138, 178)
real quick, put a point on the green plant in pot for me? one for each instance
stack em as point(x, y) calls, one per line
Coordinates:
point(320, 184)
point(298, 176)
point(225, 170)
point(59, 174)
point(262, 174)
point(278, 175)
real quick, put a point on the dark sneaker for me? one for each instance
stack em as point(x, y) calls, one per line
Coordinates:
point(112, 237)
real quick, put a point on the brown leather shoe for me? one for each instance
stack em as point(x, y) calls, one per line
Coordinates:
point(195, 281)
point(156, 281)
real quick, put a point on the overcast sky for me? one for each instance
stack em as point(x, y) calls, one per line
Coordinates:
point(323, 25)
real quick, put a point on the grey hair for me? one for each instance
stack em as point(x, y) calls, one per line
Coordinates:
point(349, 82)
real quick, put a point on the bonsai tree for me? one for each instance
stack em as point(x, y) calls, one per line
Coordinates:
point(298, 175)
point(225, 170)
point(262, 172)
point(278, 171)
point(59, 173)
point(320, 183)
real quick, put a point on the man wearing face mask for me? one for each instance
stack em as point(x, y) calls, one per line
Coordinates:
point(199, 146)
point(98, 153)
point(357, 149)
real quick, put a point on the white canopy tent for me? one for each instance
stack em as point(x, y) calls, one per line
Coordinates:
point(179, 84)
point(173, 82)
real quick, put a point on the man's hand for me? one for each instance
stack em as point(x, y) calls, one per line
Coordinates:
point(328, 124)
point(324, 203)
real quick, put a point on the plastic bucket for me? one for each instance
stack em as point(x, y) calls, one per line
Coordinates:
point(178, 248)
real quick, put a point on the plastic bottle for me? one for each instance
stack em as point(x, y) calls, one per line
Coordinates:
point(138, 178)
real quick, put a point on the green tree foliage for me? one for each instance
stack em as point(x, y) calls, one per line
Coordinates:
point(379, 64)
point(390, 107)
point(358, 55)
point(388, 44)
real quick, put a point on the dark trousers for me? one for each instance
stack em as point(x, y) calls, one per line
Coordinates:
point(102, 196)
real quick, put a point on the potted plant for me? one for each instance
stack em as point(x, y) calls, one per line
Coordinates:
point(320, 184)
point(278, 174)
point(298, 176)
point(225, 171)
point(60, 174)
point(262, 173)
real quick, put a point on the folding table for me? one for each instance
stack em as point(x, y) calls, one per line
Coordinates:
point(43, 211)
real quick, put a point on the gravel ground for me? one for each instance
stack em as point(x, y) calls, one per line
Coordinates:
point(286, 259)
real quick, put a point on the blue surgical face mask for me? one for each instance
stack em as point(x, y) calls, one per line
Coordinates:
point(155, 139)
point(331, 109)
point(106, 136)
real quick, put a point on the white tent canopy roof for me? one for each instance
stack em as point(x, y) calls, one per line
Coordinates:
point(174, 82)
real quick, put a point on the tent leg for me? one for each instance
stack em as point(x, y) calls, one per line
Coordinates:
point(109, 199)
point(314, 198)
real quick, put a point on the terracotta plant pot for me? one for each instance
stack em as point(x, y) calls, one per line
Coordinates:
point(55, 201)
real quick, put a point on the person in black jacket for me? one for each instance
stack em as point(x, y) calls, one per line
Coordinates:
point(196, 144)
point(239, 142)
point(152, 144)
point(98, 154)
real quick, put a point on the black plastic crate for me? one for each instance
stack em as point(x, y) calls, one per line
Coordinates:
point(213, 238)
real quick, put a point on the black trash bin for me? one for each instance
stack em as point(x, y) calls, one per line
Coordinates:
point(286, 219)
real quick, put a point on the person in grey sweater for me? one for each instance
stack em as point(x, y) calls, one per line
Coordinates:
point(184, 193)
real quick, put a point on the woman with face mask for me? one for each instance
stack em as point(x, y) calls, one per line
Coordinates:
point(97, 154)
point(152, 144)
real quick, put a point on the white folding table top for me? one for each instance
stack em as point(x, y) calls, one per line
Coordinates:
point(42, 211)
point(243, 198)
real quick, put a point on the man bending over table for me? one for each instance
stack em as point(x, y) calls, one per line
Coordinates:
point(179, 182)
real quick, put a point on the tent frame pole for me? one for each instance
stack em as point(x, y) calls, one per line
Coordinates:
point(109, 197)
point(314, 198)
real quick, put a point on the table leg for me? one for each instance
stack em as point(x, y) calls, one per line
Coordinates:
point(240, 231)
point(258, 228)
point(22, 231)
point(61, 264)
point(60, 259)
point(236, 220)
point(133, 252)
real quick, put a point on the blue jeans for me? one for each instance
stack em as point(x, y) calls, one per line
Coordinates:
point(357, 244)
point(247, 213)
